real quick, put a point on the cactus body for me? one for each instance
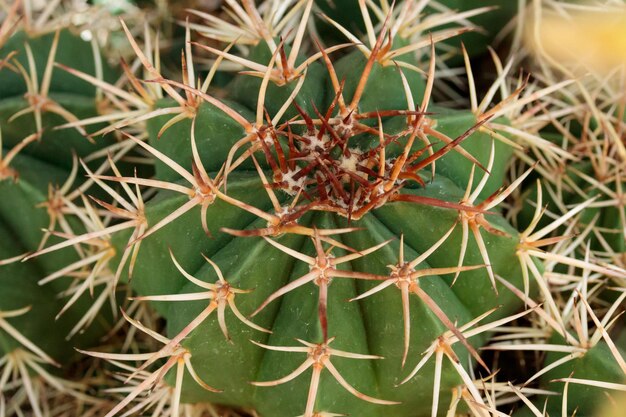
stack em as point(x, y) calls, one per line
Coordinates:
point(372, 326)
point(29, 187)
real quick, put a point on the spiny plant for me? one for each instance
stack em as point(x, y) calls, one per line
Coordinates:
point(318, 236)
point(577, 203)
point(487, 20)
point(585, 120)
point(332, 179)
point(48, 301)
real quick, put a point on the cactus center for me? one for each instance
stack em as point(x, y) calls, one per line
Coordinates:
point(319, 353)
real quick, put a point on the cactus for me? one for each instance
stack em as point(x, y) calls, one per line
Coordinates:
point(316, 237)
point(38, 182)
point(576, 198)
point(340, 188)
point(486, 20)
point(592, 160)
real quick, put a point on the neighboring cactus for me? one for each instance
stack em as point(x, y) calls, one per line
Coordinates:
point(485, 19)
point(586, 123)
point(581, 360)
point(42, 303)
point(576, 207)
point(590, 239)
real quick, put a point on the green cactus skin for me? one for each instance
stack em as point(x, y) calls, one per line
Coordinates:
point(309, 93)
point(72, 51)
point(44, 163)
point(384, 89)
point(491, 22)
point(597, 364)
point(590, 174)
point(578, 178)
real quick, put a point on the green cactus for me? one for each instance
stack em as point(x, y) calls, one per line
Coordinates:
point(581, 194)
point(579, 356)
point(488, 18)
point(349, 187)
point(599, 187)
point(42, 306)
point(582, 347)
point(221, 367)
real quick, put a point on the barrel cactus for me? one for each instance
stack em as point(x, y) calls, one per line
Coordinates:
point(577, 199)
point(315, 233)
point(39, 183)
point(337, 198)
